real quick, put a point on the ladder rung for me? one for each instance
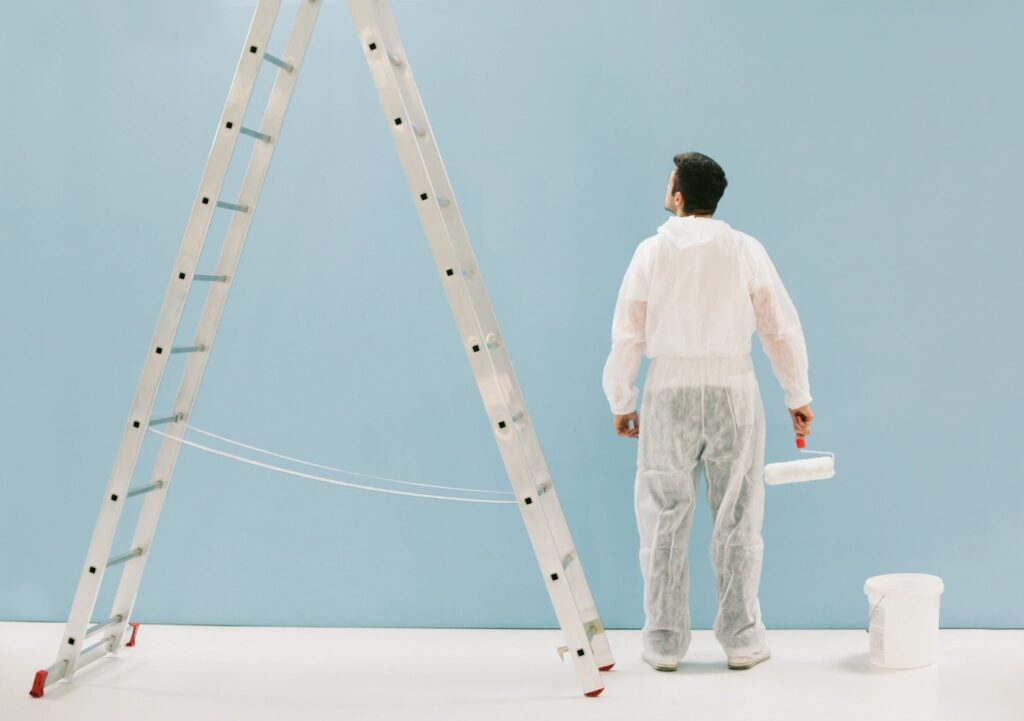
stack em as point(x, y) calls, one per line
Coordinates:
point(122, 558)
point(106, 624)
point(288, 67)
point(144, 489)
point(233, 206)
point(101, 642)
point(254, 134)
point(189, 348)
point(166, 419)
point(210, 278)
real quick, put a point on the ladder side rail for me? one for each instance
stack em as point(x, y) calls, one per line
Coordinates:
point(458, 239)
point(492, 348)
point(159, 349)
point(499, 390)
point(227, 263)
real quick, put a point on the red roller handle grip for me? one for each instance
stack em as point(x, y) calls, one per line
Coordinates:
point(800, 442)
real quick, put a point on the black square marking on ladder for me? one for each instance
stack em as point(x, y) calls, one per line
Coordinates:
point(398, 121)
point(579, 652)
point(423, 196)
point(501, 424)
point(449, 272)
point(252, 48)
point(476, 349)
point(181, 276)
point(71, 642)
point(113, 497)
point(373, 46)
point(554, 576)
point(206, 201)
point(159, 350)
point(135, 424)
point(528, 500)
point(229, 125)
point(92, 569)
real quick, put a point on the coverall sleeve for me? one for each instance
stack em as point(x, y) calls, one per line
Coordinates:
point(778, 327)
point(628, 336)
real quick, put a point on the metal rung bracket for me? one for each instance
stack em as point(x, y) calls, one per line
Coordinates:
point(144, 489)
point(116, 560)
point(239, 207)
point(167, 419)
point(254, 134)
point(593, 628)
point(210, 278)
point(106, 624)
point(287, 67)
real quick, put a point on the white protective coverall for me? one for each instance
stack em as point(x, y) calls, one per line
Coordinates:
point(692, 297)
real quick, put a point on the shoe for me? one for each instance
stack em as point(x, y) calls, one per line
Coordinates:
point(660, 663)
point(742, 663)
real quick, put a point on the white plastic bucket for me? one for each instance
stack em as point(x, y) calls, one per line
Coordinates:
point(903, 619)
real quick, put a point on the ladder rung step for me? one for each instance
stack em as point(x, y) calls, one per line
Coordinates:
point(106, 624)
point(210, 278)
point(233, 206)
point(144, 489)
point(101, 642)
point(166, 419)
point(189, 348)
point(122, 558)
point(287, 67)
point(254, 134)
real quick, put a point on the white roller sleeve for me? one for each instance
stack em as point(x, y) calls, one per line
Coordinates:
point(810, 469)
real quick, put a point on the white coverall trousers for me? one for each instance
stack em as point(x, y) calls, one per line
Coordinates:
point(707, 413)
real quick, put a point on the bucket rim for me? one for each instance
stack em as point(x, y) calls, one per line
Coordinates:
point(935, 584)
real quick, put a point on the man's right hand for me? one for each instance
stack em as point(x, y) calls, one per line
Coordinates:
point(802, 418)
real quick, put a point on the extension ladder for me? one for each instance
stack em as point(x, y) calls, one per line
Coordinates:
point(83, 644)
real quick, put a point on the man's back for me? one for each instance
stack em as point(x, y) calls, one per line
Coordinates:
point(698, 289)
point(698, 299)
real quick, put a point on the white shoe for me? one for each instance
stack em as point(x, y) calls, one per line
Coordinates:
point(742, 663)
point(660, 663)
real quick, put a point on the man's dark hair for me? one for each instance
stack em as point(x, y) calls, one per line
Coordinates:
point(701, 181)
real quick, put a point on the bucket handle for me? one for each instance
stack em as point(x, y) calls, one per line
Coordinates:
point(871, 615)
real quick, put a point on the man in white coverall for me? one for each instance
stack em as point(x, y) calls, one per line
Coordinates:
point(692, 297)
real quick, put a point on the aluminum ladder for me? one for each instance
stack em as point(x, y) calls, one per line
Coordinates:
point(83, 643)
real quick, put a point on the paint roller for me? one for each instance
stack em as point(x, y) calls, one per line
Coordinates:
point(822, 466)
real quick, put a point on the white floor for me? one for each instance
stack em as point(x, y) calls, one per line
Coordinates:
point(198, 673)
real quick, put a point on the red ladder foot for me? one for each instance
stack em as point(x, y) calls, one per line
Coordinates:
point(38, 685)
point(606, 668)
point(594, 693)
point(135, 632)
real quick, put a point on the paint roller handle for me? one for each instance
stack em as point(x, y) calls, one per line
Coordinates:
point(800, 442)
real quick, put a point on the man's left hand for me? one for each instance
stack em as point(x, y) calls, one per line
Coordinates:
point(627, 426)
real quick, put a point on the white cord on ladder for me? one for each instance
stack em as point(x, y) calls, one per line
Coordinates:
point(299, 474)
point(337, 470)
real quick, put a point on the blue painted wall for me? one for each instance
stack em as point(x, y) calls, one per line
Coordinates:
point(873, 147)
